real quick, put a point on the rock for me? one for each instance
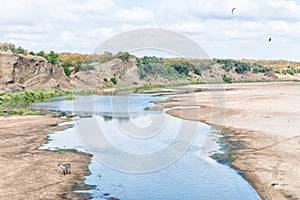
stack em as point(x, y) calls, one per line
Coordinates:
point(19, 72)
point(62, 114)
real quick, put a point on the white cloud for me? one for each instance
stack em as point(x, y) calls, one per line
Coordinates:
point(100, 33)
point(24, 36)
point(67, 36)
point(188, 27)
point(70, 25)
point(136, 14)
point(245, 9)
point(130, 27)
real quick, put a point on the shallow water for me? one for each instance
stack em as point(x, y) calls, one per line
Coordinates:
point(121, 129)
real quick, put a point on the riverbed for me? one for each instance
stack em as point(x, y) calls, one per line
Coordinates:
point(143, 154)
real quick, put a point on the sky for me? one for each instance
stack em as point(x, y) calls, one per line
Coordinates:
point(81, 26)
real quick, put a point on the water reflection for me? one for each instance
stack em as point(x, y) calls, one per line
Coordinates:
point(190, 177)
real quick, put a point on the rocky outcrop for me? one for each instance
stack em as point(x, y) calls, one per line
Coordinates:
point(19, 72)
point(125, 73)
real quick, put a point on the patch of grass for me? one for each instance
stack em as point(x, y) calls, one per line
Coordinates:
point(150, 86)
point(65, 150)
point(18, 103)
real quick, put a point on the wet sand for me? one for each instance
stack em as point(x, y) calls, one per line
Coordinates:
point(265, 118)
point(29, 173)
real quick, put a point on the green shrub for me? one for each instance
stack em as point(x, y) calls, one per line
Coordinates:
point(114, 80)
point(17, 103)
point(197, 71)
point(19, 50)
point(241, 67)
point(52, 57)
point(124, 56)
point(227, 79)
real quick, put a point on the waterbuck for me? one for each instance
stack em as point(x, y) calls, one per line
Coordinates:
point(65, 167)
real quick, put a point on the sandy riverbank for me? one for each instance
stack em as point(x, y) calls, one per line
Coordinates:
point(265, 117)
point(29, 173)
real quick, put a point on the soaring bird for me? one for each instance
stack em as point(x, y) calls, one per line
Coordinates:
point(270, 39)
point(232, 11)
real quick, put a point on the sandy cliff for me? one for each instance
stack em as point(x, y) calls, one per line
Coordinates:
point(19, 72)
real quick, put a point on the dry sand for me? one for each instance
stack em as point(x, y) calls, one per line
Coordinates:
point(265, 117)
point(29, 173)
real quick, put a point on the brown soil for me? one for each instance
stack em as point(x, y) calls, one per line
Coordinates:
point(265, 117)
point(29, 173)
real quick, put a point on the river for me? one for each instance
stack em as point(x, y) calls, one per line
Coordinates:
point(141, 155)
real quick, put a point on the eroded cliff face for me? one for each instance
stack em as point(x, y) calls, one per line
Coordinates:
point(19, 72)
point(125, 72)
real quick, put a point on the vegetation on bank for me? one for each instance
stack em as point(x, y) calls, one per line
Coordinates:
point(171, 69)
point(18, 103)
point(153, 69)
point(260, 66)
point(243, 67)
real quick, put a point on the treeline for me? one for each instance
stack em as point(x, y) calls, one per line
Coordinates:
point(168, 68)
point(12, 48)
point(242, 67)
point(273, 63)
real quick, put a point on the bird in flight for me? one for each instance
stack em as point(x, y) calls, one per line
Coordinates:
point(232, 11)
point(270, 39)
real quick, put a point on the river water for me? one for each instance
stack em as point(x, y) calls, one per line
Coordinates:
point(141, 155)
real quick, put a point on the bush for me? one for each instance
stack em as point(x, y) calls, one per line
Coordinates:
point(66, 66)
point(124, 56)
point(41, 54)
point(52, 57)
point(197, 71)
point(19, 50)
point(17, 103)
point(227, 79)
point(114, 80)
point(227, 67)
point(241, 67)
point(255, 70)
point(182, 67)
point(84, 68)
point(67, 71)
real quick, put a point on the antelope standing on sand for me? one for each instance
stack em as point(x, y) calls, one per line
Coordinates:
point(65, 167)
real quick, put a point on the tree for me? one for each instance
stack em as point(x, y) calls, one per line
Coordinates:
point(197, 71)
point(242, 67)
point(19, 50)
point(31, 53)
point(124, 56)
point(66, 65)
point(41, 53)
point(182, 67)
point(52, 57)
